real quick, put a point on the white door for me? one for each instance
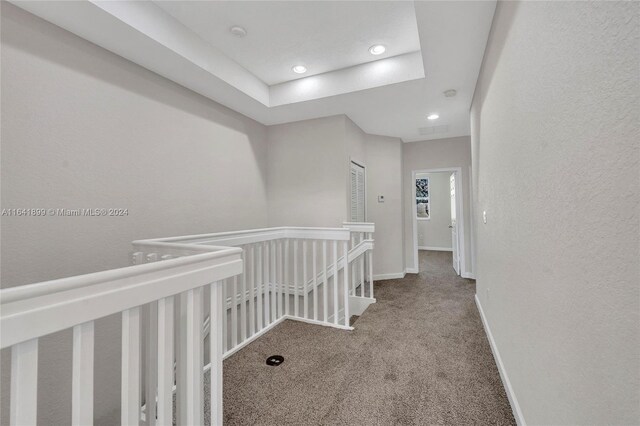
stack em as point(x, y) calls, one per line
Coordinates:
point(454, 225)
point(357, 193)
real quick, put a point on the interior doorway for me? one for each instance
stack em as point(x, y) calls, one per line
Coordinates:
point(438, 214)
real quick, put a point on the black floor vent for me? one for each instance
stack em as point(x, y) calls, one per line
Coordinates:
point(275, 360)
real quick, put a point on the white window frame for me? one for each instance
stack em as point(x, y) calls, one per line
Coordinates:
point(427, 198)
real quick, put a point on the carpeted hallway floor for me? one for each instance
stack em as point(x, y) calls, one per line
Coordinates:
point(418, 356)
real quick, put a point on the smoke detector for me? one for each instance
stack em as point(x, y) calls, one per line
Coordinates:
point(238, 31)
point(450, 93)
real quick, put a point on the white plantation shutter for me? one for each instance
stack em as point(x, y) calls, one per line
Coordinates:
point(357, 193)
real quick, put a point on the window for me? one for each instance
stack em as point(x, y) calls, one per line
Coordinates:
point(423, 209)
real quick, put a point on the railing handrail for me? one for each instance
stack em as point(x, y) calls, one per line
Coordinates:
point(265, 265)
point(361, 248)
point(246, 235)
point(21, 300)
point(56, 305)
point(366, 227)
point(43, 288)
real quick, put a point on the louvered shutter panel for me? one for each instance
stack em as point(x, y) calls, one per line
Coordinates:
point(361, 195)
point(357, 193)
point(354, 196)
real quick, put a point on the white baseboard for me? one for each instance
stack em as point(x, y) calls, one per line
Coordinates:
point(357, 304)
point(434, 248)
point(468, 275)
point(254, 337)
point(310, 321)
point(394, 276)
point(411, 271)
point(515, 407)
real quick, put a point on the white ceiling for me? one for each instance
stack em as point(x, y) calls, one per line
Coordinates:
point(189, 42)
point(321, 35)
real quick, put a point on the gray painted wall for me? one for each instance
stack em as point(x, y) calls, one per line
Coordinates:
point(82, 127)
point(308, 173)
point(384, 177)
point(435, 231)
point(436, 154)
point(309, 185)
point(555, 136)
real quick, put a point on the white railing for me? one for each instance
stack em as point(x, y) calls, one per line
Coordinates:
point(246, 281)
point(361, 233)
point(32, 311)
point(288, 273)
point(361, 260)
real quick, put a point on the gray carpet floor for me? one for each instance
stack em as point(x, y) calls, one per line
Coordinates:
point(418, 356)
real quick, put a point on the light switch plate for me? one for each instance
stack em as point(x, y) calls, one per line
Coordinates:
point(484, 216)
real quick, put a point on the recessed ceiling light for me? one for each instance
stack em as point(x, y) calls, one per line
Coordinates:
point(450, 93)
point(433, 117)
point(377, 49)
point(238, 31)
point(299, 69)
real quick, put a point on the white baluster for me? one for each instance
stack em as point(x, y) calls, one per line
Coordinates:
point(273, 251)
point(259, 281)
point(335, 282)
point(194, 390)
point(346, 283)
point(215, 350)
point(370, 261)
point(361, 279)
point(281, 284)
point(354, 239)
point(24, 383)
point(225, 324)
point(295, 279)
point(82, 376)
point(151, 364)
point(286, 277)
point(325, 290)
point(315, 279)
point(130, 393)
point(234, 313)
point(181, 360)
point(267, 276)
point(243, 297)
point(137, 258)
point(304, 279)
point(165, 361)
point(278, 280)
point(252, 291)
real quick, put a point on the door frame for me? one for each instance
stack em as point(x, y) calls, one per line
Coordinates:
point(459, 214)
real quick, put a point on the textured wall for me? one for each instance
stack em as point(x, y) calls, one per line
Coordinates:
point(436, 154)
point(356, 152)
point(384, 177)
point(82, 127)
point(435, 232)
point(356, 143)
point(309, 185)
point(555, 123)
point(308, 173)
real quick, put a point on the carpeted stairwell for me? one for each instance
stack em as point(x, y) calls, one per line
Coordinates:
point(418, 356)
